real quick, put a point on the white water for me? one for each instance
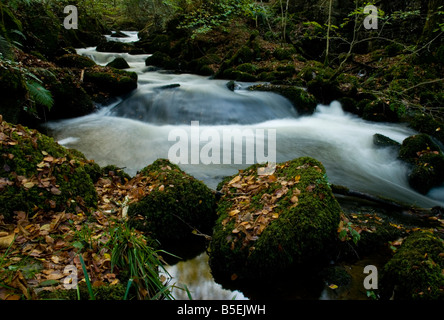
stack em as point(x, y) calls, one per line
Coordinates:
point(134, 132)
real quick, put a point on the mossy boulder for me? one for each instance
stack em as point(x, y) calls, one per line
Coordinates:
point(413, 146)
point(379, 111)
point(37, 174)
point(118, 63)
point(382, 141)
point(426, 124)
point(70, 98)
point(304, 102)
point(161, 60)
point(110, 81)
point(415, 271)
point(71, 60)
point(427, 160)
point(428, 173)
point(175, 204)
point(270, 224)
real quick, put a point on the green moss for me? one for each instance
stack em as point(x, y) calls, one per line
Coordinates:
point(415, 271)
point(101, 293)
point(384, 141)
point(427, 173)
point(301, 236)
point(111, 81)
point(75, 61)
point(70, 98)
point(426, 124)
point(413, 145)
point(118, 63)
point(379, 111)
point(284, 53)
point(304, 102)
point(174, 211)
point(60, 183)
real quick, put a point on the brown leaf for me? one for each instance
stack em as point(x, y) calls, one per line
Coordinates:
point(5, 242)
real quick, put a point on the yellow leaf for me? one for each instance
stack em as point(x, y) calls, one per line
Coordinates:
point(233, 212)
point(297, 178)
point(333, 286)
point(28, 185)
point(236, 179)
point(5, 242)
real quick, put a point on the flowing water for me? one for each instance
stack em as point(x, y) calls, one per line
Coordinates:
point(135, 131)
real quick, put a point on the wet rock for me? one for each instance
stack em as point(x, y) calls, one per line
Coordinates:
point(174, 206)
point(304, 102)
point(415, 271)
point(380, 140)
point(75, 61)
point(109, 81)
point(36, 174)
point(379, 111)
point(427, 160)
point(118, 63)
point(268, 224)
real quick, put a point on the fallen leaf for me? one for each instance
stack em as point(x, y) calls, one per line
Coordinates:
point(5, 242)
point(29, 185)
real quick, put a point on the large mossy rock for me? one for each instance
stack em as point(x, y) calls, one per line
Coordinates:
point(304, 102)
point(174, 205)
point(109, 81)
point(427, 160)
point(416, 270)
point(268, 224)
point(36, 174)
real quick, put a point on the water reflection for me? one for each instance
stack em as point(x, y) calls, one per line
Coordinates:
point(195, 274)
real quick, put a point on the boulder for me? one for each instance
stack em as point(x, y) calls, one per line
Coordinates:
point(304, 102)
point(72, 60)
point(13, 92)
point(173, 205)
point(382, 141)
point(118, 63)
point(270, 224)
point(427, 160)
point(415, 271)
point(109, 81)
point(38, 174)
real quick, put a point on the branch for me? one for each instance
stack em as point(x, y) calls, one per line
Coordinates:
point(422, 83)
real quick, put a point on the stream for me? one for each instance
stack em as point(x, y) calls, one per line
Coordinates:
point(136, 130)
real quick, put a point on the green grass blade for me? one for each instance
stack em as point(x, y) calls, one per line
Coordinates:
point(88, 283)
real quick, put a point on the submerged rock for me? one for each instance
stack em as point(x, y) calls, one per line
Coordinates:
point(415, 271)
point(173, 205)
point(269, 224)
point(36, 174)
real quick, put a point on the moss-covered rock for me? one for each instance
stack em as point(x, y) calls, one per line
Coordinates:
point(380, 140)
point(175, 205)
point(415, 271)
point(426, 124)
point(427, 160)
point(427, 173)
point(118, 63)
point(70, 98)
point(304, 102)
point(159, 59)
point(71, 60)
point(110, 81)
point(118, 47)
point(101, 293)
point(268, 224)
point(412, 147)
point(379, 111)
point(37, 173)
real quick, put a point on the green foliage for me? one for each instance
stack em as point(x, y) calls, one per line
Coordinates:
point(134, 254)
point(39, 94)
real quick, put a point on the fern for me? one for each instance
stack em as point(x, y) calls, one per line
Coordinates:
point(39, 94)
point(5, 48)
